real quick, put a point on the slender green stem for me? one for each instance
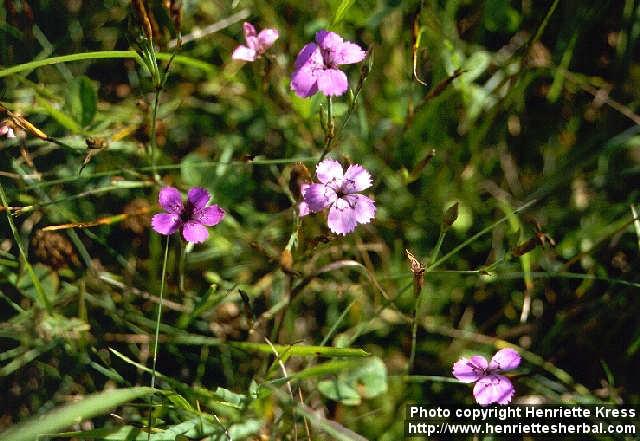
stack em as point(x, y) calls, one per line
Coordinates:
point(157, 333)
point(418, 296)
point(174, 167)
point(418, 290)
point(181, 267)
point(42, 297)
point(326, 338)
point(154, 118)
point(436, 250)
point(477, 235)
point(330, 129)
point(29, 208)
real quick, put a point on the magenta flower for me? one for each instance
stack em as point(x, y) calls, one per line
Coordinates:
point(192, 218)
point(7, 131)
point(257, 44)
point(338, 190)
point(490, 386)
point(317, 64)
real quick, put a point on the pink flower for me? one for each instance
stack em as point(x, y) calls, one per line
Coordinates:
point(192, 218)
point(256, 44)
point(338, 191)
point(490, 386)
point(7, 131)
point(317, 64)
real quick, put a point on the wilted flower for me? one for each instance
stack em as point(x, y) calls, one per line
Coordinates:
point(257, 44)
point(338, 190)
point(490, 386)
point(192, 218)
point(317, 64)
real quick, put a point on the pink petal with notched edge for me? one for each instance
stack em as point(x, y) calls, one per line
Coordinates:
point(319, 196)
point(209, 216)
point(468, 370)
point(356, 179)
point(249, 30)
point(493, 389)
point(309, 55)
point(328, 41)
point(304, 82)
point(198, 197)
point(332, 82)
point(329, 170)
point(342, 217)
point(194, 232)
point(165, 223)
point(244, 53)
point(505, 359)
point(170, 200)
point(363, 208)
point(348, 53)
point(267, 37)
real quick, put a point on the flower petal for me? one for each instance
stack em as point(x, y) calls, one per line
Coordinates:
point(493, 389)
point(348, 53)
point(318, 196)
point(328, 41)
point(209, 216)
point(244, 53)
point(170, 200)
point(165, 223)
point(469, 370)
point(332, 82)
point(194, 232)
point(329, 170)
point(338, 51)
point(198, 197)
point(303, 207)
point(249, 30)
point(505, 360)
point(304, 82)
point(356, 179)
point(342, 217)
point(309, 55)
point(364, 208)
point(267, 37)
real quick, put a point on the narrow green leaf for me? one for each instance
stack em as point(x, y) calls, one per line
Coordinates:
point(82, 100)
point(61, 117)
point(293, 350)
point(73, 413)
point(343, 7)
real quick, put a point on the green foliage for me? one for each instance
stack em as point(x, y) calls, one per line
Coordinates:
point(82, 100)
point(368, 380)
point(522, 114)
point(73, 413)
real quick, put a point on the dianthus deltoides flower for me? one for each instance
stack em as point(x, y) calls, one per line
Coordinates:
point(338, 190)
point(490, 386)
point(192, 217)
point(257, 44)
point(317, 64)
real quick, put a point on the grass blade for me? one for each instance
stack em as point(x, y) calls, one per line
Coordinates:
point(73, 413)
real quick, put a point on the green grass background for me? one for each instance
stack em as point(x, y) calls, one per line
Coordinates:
point(524, 102)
